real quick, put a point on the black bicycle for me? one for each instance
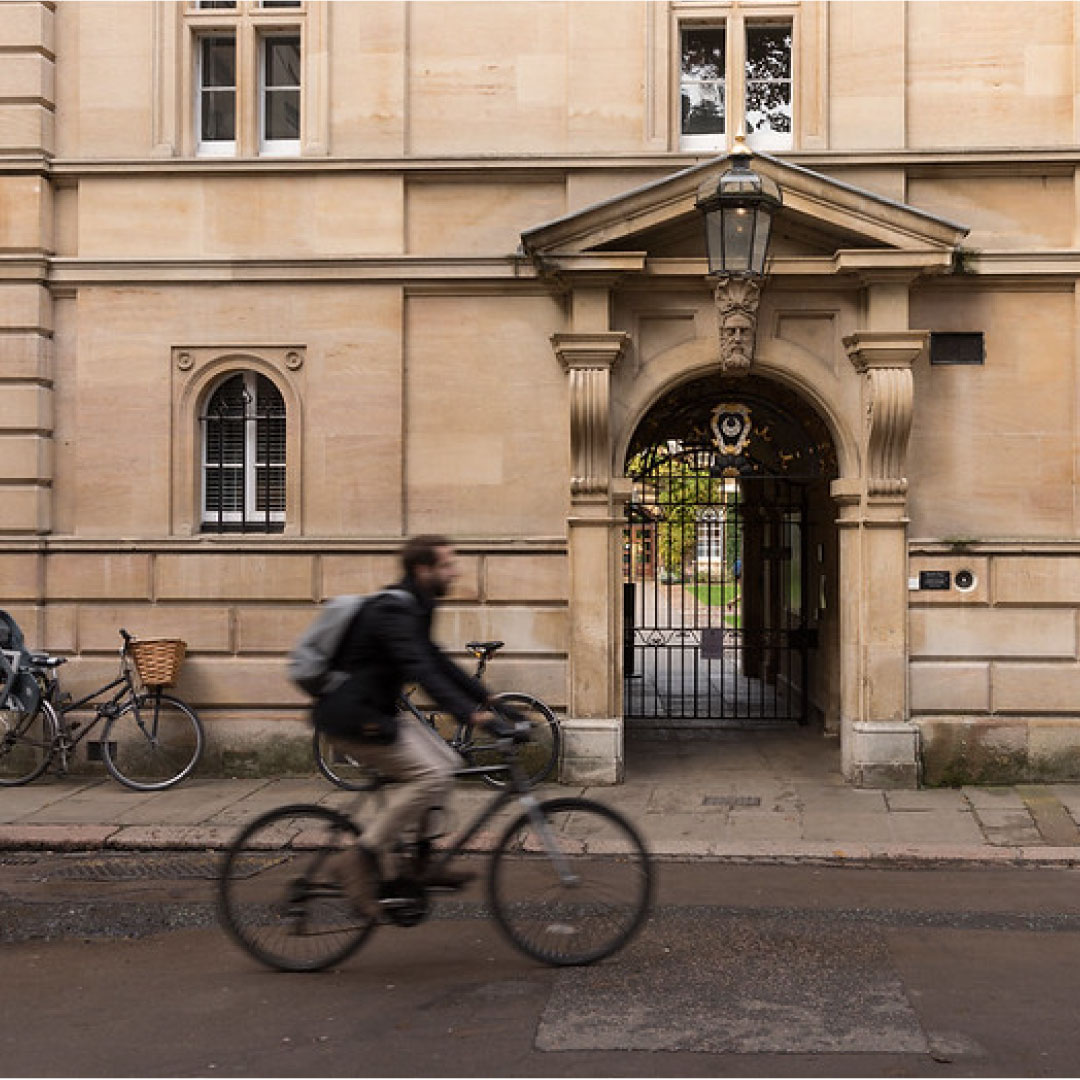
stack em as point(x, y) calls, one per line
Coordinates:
point(150, 740)
point(569, 880)
point(538, 759)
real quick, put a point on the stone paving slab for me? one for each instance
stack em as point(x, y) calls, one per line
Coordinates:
point(16, 803)
point(752, 816)
point(993, 798)
point(932, 799)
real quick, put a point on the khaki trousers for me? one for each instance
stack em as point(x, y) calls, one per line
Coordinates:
point(422, 768)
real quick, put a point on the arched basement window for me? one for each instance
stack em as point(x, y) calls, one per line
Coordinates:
point(243, 472)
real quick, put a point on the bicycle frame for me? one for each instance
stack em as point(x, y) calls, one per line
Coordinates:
point(124, 686)
point(455, 741)
point(517, 791)
point(101, 710)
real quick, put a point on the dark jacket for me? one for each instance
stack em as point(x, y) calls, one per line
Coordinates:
point(387, 648)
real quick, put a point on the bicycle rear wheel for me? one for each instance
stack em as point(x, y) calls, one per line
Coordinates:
point(339, 768)
point(153, 743)
point(278, 897)
point(570, 882)
point(538, 757)
point(28, 727)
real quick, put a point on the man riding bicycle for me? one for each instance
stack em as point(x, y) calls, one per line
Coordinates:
point(388, 646)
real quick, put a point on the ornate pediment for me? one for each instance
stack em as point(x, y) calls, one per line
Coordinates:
point(825, 226)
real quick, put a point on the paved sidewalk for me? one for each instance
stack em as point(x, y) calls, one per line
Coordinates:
point(748, 796)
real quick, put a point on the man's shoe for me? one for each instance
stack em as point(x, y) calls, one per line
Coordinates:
point(357, 869)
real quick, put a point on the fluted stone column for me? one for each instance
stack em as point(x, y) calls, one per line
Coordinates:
point(880, 744)
point(593, 729)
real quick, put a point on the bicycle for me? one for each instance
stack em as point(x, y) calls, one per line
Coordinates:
point(569, 881)
point(150, 740)
point(475, 745)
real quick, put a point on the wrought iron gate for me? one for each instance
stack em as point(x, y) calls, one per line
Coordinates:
point(716, 572)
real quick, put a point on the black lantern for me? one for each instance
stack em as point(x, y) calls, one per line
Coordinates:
point(738, 209)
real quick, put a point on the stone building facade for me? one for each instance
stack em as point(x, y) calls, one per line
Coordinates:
point(283, 282)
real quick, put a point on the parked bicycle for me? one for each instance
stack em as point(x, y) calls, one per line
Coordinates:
point(150, 740)
point(538, 758)
point(569, 881)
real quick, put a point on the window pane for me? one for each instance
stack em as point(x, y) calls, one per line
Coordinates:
point(703, 54)
point(703, 110)
point(768, 107)
point(219, 116)
point(219, 61)
point(282, 114)
point(768, 52)
point(702, 83)
point(283, 62)
point(244, 456)
point(768, 79)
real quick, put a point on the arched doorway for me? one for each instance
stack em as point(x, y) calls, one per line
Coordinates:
point(729, 560)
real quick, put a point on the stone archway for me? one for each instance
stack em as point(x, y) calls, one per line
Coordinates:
point(729, 560)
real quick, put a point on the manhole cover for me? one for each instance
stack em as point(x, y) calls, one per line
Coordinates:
point(732, 800)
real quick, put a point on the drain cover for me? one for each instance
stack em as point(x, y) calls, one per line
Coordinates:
point(731, 800)
point(13, 858)
point(173, 867)
point(137, 868)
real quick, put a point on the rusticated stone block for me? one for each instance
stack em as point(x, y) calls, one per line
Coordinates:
point(19, 577)
point(98, 576)
point(345, 574)
point(205, 629)
point(993, 632)
point(241, 576)
point(526, 578)
point(1035, 688)
point(272, 629)
point(1033, 579)
point(945, 687)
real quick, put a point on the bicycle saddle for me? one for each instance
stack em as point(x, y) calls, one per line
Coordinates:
point(484, 648)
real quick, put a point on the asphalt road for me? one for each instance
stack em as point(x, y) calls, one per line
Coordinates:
point(113, 966)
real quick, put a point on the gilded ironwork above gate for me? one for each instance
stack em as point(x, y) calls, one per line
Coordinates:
point(735, 429)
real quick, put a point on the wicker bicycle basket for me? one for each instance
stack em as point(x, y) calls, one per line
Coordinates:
point(158, 660)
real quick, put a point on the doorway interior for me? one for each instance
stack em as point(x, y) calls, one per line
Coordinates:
point(729, 561)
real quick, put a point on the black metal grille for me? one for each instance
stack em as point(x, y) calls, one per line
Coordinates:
point(717, 578)
point(244, 456)
point(715, 572)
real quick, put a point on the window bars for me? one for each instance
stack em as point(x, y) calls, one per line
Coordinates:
point(244, 457)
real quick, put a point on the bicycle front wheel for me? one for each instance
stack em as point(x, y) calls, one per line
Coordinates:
point(341, 768)
point(153, 743)
point(27, 734)
point(538, 757)
point(278, 896)
point(570, 882)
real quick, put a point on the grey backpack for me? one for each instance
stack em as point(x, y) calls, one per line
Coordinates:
point(311, 661)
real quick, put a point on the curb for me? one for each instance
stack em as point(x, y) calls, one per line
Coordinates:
point(63, 838)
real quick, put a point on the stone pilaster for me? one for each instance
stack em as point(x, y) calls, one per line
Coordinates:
point(593, 729)
point(880, 744)
point(588, 360)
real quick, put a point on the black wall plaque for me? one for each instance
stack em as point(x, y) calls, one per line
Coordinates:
point(935, 580)
point(953, 348)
